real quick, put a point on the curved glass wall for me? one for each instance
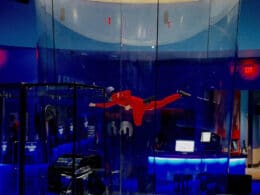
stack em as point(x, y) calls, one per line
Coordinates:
point(168, 67)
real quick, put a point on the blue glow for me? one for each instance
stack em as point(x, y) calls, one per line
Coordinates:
point(71, 127)
point(60, 130)
point(31, 147)
point(163, 160)
point(86, 124)
point(174, 161)
point(237, 161)
point(215, 160)
point(4, 147)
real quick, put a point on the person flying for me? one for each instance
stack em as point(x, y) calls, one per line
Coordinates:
point(138, 105)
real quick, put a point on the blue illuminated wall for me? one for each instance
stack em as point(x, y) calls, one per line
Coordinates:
point(18, 24)
point(18, 64)
point(17, 42)
point(249, 27)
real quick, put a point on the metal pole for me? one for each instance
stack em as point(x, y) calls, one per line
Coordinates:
point(21, 157)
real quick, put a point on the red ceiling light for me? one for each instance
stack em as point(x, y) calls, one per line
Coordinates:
point(37, 54)
point(249, 69)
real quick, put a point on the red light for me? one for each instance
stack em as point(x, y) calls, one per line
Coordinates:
point(37, 54)
point(3, 58)
point(109, 20)
point(166, 19)
point(249, 69)
point(232, 68)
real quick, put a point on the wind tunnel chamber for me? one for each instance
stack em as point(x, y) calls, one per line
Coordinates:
point(168, 69)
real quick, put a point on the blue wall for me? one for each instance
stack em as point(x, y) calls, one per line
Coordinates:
point(17, 42)
point(17, 24)
point(249, 26)
point(17, 64)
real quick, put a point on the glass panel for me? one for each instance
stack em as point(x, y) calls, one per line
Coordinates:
point(195, 130)
point(183, 29)
point(222, 40)
point(85, 39)
point(46, 41)
point(253, 127)
point(62, 143)
point(138, 77)
point(90, 175)
point(48, 142)
point(86, 42)
point(10, 139)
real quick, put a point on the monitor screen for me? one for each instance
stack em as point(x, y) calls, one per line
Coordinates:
point(205, 137)
point(184, 146)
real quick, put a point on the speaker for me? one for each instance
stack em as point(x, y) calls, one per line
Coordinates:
point(23, 1)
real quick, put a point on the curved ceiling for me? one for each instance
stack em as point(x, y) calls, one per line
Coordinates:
point(142, 1)
point(134, 23)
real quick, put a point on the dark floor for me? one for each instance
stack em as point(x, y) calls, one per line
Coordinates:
point(36, 183)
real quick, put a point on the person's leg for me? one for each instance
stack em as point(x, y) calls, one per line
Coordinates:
point(163, 102)
point(138, 113)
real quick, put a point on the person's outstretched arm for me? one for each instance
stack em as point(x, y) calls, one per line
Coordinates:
point(102, 105)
